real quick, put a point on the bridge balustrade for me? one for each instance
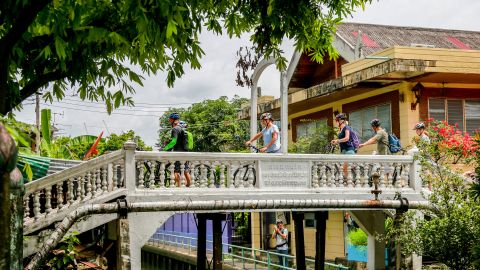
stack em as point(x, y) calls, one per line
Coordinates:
point(128, 172)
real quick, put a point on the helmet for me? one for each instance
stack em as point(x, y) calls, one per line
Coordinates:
point(375, 123)
point(174, 116)
point(279, 221)
point(341, 116)
point(419, 125)
point(266, 115)
point(183, 124)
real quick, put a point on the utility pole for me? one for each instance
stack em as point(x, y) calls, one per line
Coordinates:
point(37, 119)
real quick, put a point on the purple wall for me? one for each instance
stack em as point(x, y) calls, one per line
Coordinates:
point(185, 225)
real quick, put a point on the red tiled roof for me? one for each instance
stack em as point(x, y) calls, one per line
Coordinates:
point(379, 37)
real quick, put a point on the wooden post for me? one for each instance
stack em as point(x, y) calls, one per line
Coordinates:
point(201, 241)
point(299, 240)
point(217, 241)
point(321, 218)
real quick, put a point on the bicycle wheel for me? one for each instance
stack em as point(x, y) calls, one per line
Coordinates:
point(244, 174)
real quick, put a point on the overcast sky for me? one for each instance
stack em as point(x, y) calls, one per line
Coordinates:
point(217, 76)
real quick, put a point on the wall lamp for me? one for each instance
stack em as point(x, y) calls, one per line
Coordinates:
point(417, 91)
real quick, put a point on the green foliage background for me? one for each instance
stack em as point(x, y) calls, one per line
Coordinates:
point(213, 123)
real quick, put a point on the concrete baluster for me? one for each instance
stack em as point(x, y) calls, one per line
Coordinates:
point(349, 174)
point(83, 193)
point(48, 200)
point(405, 175)
point(141, 176)
point(203, 175)
point(182, 174)
point(211, 176)
point(315, 183)
point(222, 175)
point(79, 189)
point(26, 202)
point(391, 169)
point(358, 177)
point(115, 176)
point(151, 177)
point(60, 195)
point(172, 174)
point(340, 178)
point(331, 176)
point(70, 191)
point(36, 205)
point(323, 173)
point(250, 175)
point(382, 176)
point(231, 169)
point(89, 178)
point(162, 175)
point(104, 179)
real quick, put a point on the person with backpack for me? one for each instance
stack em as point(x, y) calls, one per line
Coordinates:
point(380, 138)
point(178, 143)
point(270, 134)
point(421, 133)
point(345, 137)
point(280, 234)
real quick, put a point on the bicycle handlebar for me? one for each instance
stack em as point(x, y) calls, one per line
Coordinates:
point(257, 150)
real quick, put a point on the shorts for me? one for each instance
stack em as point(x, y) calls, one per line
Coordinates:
point(177, 167)
point(348, 152)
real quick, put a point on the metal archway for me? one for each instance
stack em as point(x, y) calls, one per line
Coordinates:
point(262, 65)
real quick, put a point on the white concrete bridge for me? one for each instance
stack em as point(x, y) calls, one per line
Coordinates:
point(220, 182)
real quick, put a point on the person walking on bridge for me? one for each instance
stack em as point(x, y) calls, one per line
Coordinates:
point(270, 134)
point(177, 144)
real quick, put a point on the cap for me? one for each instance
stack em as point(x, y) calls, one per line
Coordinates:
point(279, 221)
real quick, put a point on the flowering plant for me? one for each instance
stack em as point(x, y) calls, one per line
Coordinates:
point(449, 144)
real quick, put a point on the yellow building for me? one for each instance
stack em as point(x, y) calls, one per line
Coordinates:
point(400, 75)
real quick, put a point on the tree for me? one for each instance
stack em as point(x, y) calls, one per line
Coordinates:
point(450, 232)
point(90, 45)
point(214, 125)
point(316, 143)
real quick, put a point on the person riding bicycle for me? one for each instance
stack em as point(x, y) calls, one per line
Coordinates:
point(177, 145)
point(420, 130)
point(270, 134)
point(346, 145)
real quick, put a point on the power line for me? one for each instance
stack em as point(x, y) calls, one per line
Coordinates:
point(144, 103)
point(96, 107)
point(84, 110)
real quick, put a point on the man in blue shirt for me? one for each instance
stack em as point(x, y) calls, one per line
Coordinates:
point(270, 134)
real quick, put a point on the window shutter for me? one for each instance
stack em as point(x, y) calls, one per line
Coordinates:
point(436, 109)
point(472, 116)
point(455, 112)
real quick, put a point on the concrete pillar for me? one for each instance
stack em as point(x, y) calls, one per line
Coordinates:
point(201, 241)
point(373, 223)
point(253, 112)
point(123, 252)
point(217, 241)
point(415, 170)
point(141, 228)
point(16, 222)
point(130, 181)
point(321, 218)
point(299, 240)
point(284, 112)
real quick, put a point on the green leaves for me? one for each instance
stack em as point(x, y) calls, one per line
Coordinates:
point(90, 44)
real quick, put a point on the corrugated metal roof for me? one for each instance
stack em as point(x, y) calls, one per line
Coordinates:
point(379, 37)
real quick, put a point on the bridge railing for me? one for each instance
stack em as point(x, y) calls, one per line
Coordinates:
point(65, 190)
point(160, 170)
point(235, 255)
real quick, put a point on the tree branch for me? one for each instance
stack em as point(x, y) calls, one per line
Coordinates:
point(32, 86)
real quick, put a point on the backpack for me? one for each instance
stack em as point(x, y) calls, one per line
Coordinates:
point(394, 144)
point(354, 139)
point(187, 140)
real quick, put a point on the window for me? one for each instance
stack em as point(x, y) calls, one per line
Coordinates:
point(360, 120)
point(464, 113)
point(307, 127)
